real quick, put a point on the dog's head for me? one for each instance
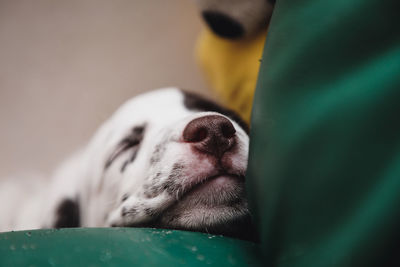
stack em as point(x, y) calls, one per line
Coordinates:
point(170, 159)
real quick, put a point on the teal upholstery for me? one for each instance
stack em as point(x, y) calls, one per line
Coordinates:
point(324, 168)
point(121, 247)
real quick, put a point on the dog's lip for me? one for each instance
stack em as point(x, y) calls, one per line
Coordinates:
point(210, 179)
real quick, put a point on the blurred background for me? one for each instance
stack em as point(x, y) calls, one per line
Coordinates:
point(65, 66)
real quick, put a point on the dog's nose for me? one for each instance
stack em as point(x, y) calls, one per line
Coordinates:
point(212, 134)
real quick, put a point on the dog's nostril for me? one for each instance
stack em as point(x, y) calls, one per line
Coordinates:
point(199, 135)
point(195, 131)
point(227, 129)
point(212, 134)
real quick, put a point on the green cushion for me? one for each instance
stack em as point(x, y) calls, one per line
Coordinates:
point(122, 247)
point(324, 169)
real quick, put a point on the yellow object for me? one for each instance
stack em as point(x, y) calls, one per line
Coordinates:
point(231, 66)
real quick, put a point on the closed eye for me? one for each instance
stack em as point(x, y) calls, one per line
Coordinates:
point(130, 142)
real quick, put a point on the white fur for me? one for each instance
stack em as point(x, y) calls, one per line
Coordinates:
point(32, 203)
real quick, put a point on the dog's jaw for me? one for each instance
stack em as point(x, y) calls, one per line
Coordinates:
point(217, 205)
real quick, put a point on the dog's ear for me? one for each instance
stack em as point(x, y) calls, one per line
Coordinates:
point(67, 214)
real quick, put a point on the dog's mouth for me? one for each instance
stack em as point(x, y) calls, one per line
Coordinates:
point(208, 197)
point(214, 205)
point(218, 189)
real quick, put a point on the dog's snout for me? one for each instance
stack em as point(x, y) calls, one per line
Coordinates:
point(211, 134)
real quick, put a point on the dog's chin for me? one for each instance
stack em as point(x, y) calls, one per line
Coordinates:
point(217, 206)
point(219, 221)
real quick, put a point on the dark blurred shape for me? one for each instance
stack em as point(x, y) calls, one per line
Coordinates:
point(223, 25)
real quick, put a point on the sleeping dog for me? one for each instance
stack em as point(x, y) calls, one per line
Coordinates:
point(167, 159)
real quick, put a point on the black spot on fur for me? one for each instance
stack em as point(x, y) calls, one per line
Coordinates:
point(149, 194)
point(157, 153)
point(131, 212)
point(171, 185)
point(124, 197)
point(67, 214)
point(123, 167)
point(157, 176)
point(131, 141)
point(152, 188)
point(150, 211)
point(176, 168)
point(123, 212)
point(195, 102)
point(131, 159)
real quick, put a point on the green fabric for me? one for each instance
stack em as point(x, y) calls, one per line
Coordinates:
point(121, 247)
point(324, 169)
